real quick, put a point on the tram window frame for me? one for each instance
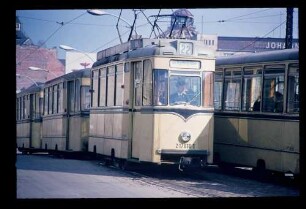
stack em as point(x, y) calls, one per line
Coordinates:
point(119, 78)
point(230, 75)
point(110, 96)
point(275, 75)
point(138, 77)
point(95, 88)
point(85, 98)
point(218, 81)
point(293, 101)
point(50, 100)
point(102, 86)
point(46, 99)
point(208, 89)
point(55, 99)
point(251, 96)
point(160, 88)
point(71, 98)
point(147, 90)
point(77, 92)
point(60, 97)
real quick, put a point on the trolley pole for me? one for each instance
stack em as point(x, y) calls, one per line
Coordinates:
point(289, 26)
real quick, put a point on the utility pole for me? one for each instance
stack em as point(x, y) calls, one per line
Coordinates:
point(289, 26)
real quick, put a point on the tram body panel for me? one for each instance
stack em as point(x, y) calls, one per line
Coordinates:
point(23, 134)
point(244, 141)
point(200, 127)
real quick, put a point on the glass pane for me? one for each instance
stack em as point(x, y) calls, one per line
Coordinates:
point(293, 90)
point(185, 90)
point(160, 87)
point(95, 85)
point(208, 82)
point(77, 95)
point(273, 91)
point(119, 83)
point(138, 82)
point(218, 90)
point(110, 86)
point(102, 90)
point(147, 82)
point(85, 97)
point(251, 94)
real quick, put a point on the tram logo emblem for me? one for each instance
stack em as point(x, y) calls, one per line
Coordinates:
point(185, 136)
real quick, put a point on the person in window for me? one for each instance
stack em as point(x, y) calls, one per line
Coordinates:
point(256, 106)
point(278, 102)
point(181, 96)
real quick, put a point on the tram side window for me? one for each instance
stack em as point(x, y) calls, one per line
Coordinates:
point(37, 105)
point(110, 86)
point(102, 88)
point(218, 90)
point(46, 99)
point(95, 88)
point(293, 89)
point(77, 95)
point(60, 97)
point(50, 96)
point(147, 82)
point(137, 67)
point(273, 89)
point(232, 89)
point(17, 109)
point(119, 83)
point(55, 100)
point(85, 98)
point(160, 87)
point(71, 96)
point(208, 85)
point(251, 96)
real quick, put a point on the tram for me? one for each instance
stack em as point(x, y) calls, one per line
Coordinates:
point(152, 102)
point(29, 118)
point(256, 101)
point(65, 120)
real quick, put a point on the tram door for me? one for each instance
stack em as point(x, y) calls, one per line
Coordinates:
point(137, 74)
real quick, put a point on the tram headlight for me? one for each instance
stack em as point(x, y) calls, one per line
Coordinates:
point(185, 136)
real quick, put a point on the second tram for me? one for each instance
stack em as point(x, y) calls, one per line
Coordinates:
point(257, 111)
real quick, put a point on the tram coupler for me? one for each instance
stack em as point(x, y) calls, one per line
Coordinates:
point(190, 163)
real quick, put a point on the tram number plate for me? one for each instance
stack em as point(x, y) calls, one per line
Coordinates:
point(188, 146)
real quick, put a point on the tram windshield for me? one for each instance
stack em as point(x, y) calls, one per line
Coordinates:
point(185, 90)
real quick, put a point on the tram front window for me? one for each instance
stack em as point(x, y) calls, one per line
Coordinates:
point(185, 90)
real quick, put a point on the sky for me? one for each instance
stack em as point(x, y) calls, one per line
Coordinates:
point(88, 33)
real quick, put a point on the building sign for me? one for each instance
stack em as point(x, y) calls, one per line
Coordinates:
point(279, 45)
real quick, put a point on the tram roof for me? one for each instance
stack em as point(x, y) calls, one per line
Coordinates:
point(72, 75)
point(148, 47)
point(31, 89)
point(277, 55)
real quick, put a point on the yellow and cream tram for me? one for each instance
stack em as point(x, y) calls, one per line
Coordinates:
point(152, 101)
point(256, 103)
point(65, 121)
point(29, 119)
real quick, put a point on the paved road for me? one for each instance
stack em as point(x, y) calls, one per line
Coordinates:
point(43, 176)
